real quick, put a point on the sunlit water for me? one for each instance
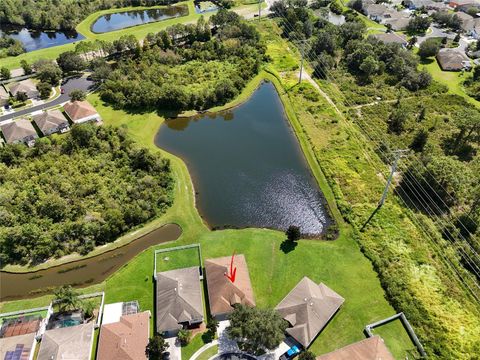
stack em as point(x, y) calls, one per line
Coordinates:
point(34, 40)
point(247, 167)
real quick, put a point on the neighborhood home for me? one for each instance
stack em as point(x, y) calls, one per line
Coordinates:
point(397, 20)
point(20, 325)
point(391, 38)
point(223, 293)
point(25, 86)
point(4, 96)
point(179, 300)
point(453, 60)
point(81, 111)
point(51, 121)
point(472, 27)
point(125, 339)
point(376, 12)
point(20, 347)
point(464, 4)
point(465, 20)
point(308, 308)
point(19, 131)
point(71, 342)
point(424, 4)
point(372, 348)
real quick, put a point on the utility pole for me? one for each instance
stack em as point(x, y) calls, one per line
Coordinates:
point(302, 51)
point(398, 154)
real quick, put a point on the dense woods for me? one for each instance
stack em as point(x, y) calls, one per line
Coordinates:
point(60, 14)
point(185, 66)
point(10, 47)
point(68, 194)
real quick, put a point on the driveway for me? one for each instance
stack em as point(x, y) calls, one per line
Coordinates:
point(436, 32)
point(74, 83)
point(174, 348)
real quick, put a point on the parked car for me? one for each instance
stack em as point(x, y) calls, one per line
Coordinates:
point(62, 90)
point(291, 353)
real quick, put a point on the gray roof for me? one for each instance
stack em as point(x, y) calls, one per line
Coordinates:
point(398, 23)
point(22, 343)
point(23, 86)
point(3, 93)
point(391, 37)
point(72, 342)
point(18, 130)
point(376, 10)
point(308, 307)
point(50, 119)
point(179, 298)
point(451, 59)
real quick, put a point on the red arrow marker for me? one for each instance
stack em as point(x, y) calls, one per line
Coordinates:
point(233, 270)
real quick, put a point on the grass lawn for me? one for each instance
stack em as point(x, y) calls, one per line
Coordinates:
point(452, 79)
point(207, 354)
point(195, 343)
point(178, 259)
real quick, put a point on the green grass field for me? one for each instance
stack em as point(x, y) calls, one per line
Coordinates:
point(207, 354)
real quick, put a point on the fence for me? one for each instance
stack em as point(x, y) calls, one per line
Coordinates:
point(176, 248)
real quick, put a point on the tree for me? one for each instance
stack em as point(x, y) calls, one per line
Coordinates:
point(184, 336)
point(293, 233)
point(397, 120)
point(21, 96)
point(48, 71)
point(77, 95)
point(335, 7)
point(419, 141)
point(476, 73)
point(66, 298)
point(306, 355)
point(369, 67)
point(411, 42)
point(27, 68)
point(212, 325)
point(5, 73)
point(457, 38)
point(428, 48)
point(69, 62)
point(44, 89)
point(418, 25)
point(256, 329)
point(156, 347)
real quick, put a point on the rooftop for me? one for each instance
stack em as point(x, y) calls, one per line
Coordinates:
point(17, 347)
point(390, 38)
point(79, 109)
point(369, 349)
point(18, 130)
point(50, 119)
point(179, 298)
point(223, 293)
point(20, 325)
point(23, 86)
point(308, 307)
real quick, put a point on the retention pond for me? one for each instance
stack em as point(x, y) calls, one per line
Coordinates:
point(83, 272)
point(247, 166)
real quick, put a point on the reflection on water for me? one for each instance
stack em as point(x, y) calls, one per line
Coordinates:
point(83, 272)
point(121, 20)
point(247, 166)
point(35, 40)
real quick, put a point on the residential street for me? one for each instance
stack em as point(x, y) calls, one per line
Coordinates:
point(74, 83)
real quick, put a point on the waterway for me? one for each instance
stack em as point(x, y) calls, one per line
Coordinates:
point(247, 167)
point(122, 20)
point(84, 272)
point(35, 40)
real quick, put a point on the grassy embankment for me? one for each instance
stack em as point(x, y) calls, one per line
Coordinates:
point(339, 264)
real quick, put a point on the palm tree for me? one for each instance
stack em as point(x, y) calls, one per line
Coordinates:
point(67, 298)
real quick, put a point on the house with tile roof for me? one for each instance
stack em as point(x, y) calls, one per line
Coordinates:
point(51, 121)
point(308, 307)
point(26, 86)
point(19, 131)
point(81, 111)
point(372, 348)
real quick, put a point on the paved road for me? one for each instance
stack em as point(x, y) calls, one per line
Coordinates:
point(74, 83)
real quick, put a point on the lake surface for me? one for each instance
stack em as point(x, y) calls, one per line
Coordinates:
point(121, 20)
point(84, 272)
point(34, 40)
point(247, 166)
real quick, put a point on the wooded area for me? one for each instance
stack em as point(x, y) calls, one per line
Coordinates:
point(69, 194)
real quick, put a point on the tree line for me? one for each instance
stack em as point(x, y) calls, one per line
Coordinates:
point(71, 193)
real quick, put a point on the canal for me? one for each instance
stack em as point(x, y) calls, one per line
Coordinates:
point(247, 167)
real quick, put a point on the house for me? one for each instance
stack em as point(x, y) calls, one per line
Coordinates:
point(25, 86)
point(376, 12)
point(81, 111)
point(4, 96)
point(51, 121)
point(125, 339)
point(179, 300)
point(113, 312)
point(21, 347)
point(72, 342)
point(464, 4)
point(452, 60)
point(465, 20)
point(424, 4)
point(471, 27)
point(308, 308)
point(19, 131)
point(372, 348)
point(223, 293)
point(397, 20)
point(391, 38)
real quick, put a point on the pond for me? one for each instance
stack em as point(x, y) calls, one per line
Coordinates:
point(35, 40)
point(122, 20)
point(247, 167)
point(84, 272)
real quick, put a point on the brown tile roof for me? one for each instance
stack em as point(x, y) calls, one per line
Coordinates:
point(50, 119)
point(126, 339)
point(222, 293)
point(72, 342)
point(21, 328)
point(451, 59)
point(369, 349)
point(18, 130)
point(308, 307)
point(79, 109)
point(179, 298)
point(25, 86)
